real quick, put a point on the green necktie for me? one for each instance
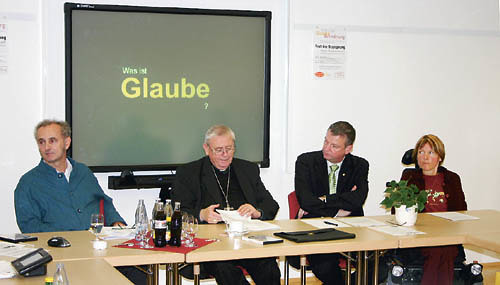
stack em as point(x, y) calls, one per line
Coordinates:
point(331, 178)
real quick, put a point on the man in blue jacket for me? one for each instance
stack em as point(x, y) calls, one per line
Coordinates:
point(60, 194)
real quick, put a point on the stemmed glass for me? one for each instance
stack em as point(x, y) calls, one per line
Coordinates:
point(191, 228)
point(96, 224)
point(147, 236)
point(184, 236)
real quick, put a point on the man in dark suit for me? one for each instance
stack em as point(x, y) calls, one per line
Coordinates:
point(219, 181)
point(331, 183)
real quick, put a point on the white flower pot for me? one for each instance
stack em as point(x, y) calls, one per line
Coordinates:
point(406, 217)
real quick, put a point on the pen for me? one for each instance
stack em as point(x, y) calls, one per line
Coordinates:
point(330, 223)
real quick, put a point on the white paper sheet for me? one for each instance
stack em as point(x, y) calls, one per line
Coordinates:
point(361, 222)
point(322, 225)
point(397, 231)
point(229, 216)
point(111, 233)
point(15, 249)
point(258, 225)
point(6, 270)
point(454, 216)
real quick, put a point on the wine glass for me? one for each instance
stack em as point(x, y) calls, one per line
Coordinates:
point(184, 226)
point(96, 224)
point(191, 228)
point(147, 236)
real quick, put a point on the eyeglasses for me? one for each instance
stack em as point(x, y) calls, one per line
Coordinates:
point(221, 150)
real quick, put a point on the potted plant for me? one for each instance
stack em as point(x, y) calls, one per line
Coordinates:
point(406, 199)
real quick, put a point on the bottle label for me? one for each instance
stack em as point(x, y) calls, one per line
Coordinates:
point(160, 224)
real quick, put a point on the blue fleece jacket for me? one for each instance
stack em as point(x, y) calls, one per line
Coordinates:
point(45, 201)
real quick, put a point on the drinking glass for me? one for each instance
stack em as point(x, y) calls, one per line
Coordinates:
point(142, 231)
point(147, 236)
point(191, 229)
point(184, 237)
point(96, 224)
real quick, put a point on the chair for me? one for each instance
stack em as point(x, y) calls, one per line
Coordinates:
point(294, 261)
point(293, 211)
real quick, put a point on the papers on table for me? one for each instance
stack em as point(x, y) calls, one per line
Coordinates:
point(111, 233)
point(325, 223)
point(361, 222)
point(230, 216)
point(258, 225)
point(15, 249)
point(397, 230)
point(249, 224)
point(454, 216)
point(6, 270)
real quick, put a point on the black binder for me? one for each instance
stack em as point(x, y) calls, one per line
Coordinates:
point(315, 235)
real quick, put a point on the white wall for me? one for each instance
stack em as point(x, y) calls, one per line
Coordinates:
point(413, 67)
point(20, 93)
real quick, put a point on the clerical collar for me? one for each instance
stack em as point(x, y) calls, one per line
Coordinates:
point(225, 171)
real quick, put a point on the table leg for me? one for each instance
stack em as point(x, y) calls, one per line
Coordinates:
point(152, 274)
point(303, 266)
point(365, 267)
point(196, 273)
point(176, 275)
point(375, 266)
point(286, 271)
point(168, 274)
point(359, 269)
point(348, 269)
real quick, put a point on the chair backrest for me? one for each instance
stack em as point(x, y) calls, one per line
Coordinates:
point(101, 209)
point(293, 205)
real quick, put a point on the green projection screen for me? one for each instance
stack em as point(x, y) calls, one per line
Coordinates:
point(143, 84)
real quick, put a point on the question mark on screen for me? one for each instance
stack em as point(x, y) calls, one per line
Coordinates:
point(206, 105)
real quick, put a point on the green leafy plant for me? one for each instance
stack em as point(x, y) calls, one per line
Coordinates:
point(400, 193)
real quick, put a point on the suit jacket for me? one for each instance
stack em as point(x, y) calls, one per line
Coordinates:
point(311, 182)
point(452, 186)
point(197, 178)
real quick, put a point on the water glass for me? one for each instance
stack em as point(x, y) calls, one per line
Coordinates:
point(96, 224)
point(191, 229)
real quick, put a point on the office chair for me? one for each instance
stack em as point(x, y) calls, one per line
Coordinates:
point(294, 261)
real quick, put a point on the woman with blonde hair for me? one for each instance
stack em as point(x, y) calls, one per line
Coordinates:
point(445, 194)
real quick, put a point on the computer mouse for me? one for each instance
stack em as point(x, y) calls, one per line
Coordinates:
point(58, 242)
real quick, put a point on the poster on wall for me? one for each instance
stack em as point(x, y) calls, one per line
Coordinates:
point(329, 47)
point(3, 45)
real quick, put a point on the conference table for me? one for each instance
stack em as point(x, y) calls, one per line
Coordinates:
point(81, 259)
point(85, 271)
point(228, 248)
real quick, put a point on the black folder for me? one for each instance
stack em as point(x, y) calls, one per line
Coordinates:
point(315, 235)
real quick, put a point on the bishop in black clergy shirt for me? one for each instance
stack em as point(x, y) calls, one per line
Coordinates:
point(322, 193)
point(219, 181)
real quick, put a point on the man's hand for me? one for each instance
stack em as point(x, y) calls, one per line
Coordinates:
point(210, 215)
point(248, 210)
point(343, 213)
point(301, 213)
point(119, 224)
point(354, 188)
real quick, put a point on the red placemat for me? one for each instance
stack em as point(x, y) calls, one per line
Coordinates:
point(182, 249)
